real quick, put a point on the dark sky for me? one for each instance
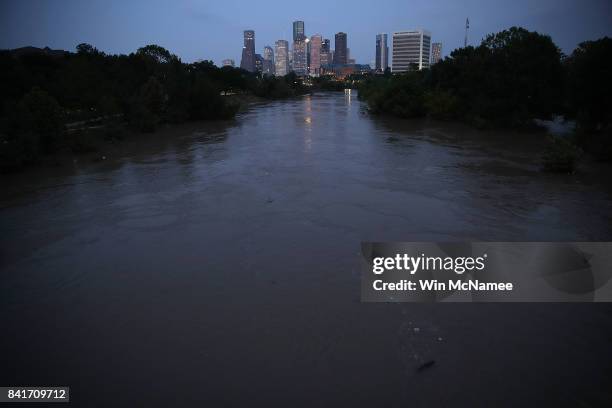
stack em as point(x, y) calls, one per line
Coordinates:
point(197, 29)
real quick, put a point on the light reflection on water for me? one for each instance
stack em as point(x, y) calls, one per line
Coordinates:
point(348, 95)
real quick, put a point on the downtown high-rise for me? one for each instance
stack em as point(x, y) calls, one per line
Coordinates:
point(298, 30)
point(382, 53)
point(248, 51)
point(340, 52)
point(268, 61)
point(411, 50)
point(259, 62)
point(281, 57)
point(299, 52)
point(436, 52)
point(326, 55)
point(316, 42)
point(300, 59)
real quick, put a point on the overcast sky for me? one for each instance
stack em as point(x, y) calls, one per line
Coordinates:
point(203, 29)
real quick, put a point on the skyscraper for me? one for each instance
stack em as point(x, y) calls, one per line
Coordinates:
point(300, 66)
point(340, 54)
point(326, 57)
point(258, 63)
point(307, 55)
point(298, 30)
point(315, 54)
point(410, 48)
point(248, 51)
point(382, 53)
point(268, 61)
point(325, 45)
point(282, 57)
point(349, 60)
point(436, 52)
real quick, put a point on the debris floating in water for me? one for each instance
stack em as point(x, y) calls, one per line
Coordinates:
point(426, 365)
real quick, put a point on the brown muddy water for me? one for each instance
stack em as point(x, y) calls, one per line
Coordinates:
point(219, 267)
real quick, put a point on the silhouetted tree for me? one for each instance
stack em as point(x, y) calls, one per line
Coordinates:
point(509, 79)
point(590, 83)
point(157, 53)
point(143, 89)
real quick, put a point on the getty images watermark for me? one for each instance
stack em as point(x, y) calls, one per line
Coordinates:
point(486, 272)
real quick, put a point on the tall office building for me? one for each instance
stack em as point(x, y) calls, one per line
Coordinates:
point(282, 57)
point(436, 52)
point(315, 54)
point(326, 57)
point(298, 30)
point(410, 49)
point(340, 53)
point(259, 62)
point(300, 60)
point(307, 55)
point(248, 51)
point(349, 60)
point(228, 63)
point(268, 61)
point(325, 45)
point(382, 53)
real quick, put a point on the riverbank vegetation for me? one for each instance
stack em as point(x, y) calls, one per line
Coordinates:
point(507, 81)
point(55, 101)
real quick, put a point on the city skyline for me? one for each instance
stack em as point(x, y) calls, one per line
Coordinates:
point(196, 30)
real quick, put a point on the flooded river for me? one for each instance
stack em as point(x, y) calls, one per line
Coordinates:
point(219, 267)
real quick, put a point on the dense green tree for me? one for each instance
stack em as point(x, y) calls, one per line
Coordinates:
point(561, 155)
point(86, 49)
point(441, 104)
point(34, 126)
point(39, 114)
point(509, 79)
point(148, 106)
point(400, 95)
point(590, 84)
point(159, 54)
point(512, 77)
point(142, 89)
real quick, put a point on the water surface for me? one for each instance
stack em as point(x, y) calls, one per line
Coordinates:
point(220, 265)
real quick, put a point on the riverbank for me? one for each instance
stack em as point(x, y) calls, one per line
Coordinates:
point(94, 141)
point(91, 142)
point(525, 147)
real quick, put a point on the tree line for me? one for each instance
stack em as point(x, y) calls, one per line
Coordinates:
point(45, 96)
point(509, 79)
